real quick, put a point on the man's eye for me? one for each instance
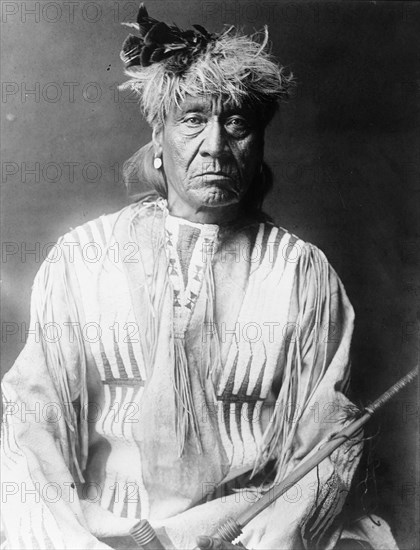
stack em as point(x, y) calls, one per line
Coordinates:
point(237, 125)
point(193, 121)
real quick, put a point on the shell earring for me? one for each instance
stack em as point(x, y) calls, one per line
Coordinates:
point(157, 163)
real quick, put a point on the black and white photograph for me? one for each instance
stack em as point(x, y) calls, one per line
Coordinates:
point(210, 255)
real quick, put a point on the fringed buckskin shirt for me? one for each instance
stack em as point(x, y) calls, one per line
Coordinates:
point(167, 359)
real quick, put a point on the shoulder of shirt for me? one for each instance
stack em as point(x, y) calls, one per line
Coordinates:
point(317, 266)
point(96, 235)
point(97, 231)
point(292, 245)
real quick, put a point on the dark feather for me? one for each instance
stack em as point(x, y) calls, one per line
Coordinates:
point(160, 34)
point(203, 31)
point(144, 21)
point(131, 41)
point(142, 13)
point(131, 49)
point(157, 55)
point(189, 36)
point(159, 41)
point(145, 55)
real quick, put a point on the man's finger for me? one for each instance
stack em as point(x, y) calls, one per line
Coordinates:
point(206, 543)
point(214, 543)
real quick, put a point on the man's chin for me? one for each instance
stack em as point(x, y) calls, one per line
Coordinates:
point(218, 197)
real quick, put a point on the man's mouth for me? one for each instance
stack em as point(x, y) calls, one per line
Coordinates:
point(215, 175)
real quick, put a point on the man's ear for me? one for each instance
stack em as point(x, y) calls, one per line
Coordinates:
point(157, 136)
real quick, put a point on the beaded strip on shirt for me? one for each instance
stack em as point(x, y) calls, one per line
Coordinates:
point(186, 292)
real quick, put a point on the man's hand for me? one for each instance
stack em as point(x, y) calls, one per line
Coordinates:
point(214, 543)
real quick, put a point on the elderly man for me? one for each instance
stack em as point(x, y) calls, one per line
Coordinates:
point(206, 348)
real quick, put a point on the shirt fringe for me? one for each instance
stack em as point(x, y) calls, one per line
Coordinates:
point(77, 426)
point(294, 396)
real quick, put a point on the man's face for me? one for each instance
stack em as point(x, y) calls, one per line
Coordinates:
point(210, 153)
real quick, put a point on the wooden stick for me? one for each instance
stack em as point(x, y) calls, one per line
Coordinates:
point(232, 529)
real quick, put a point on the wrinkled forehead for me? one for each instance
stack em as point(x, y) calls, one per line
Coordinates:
point(210, 104)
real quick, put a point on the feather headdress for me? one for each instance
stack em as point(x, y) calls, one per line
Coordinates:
point(158, 41)
point(166, 64)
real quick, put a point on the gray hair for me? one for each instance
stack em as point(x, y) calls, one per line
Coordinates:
point(237, 67)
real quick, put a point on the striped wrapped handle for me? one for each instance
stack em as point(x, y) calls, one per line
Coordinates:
point(145, 536)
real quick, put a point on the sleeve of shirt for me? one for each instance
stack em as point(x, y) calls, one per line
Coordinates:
point(321, 318)
point(44, 433)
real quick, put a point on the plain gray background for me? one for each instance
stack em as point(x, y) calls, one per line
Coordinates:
point(345, 155)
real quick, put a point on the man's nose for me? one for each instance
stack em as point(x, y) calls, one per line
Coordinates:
point(214, 143)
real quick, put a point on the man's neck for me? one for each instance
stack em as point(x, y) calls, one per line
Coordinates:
point(218, 216)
